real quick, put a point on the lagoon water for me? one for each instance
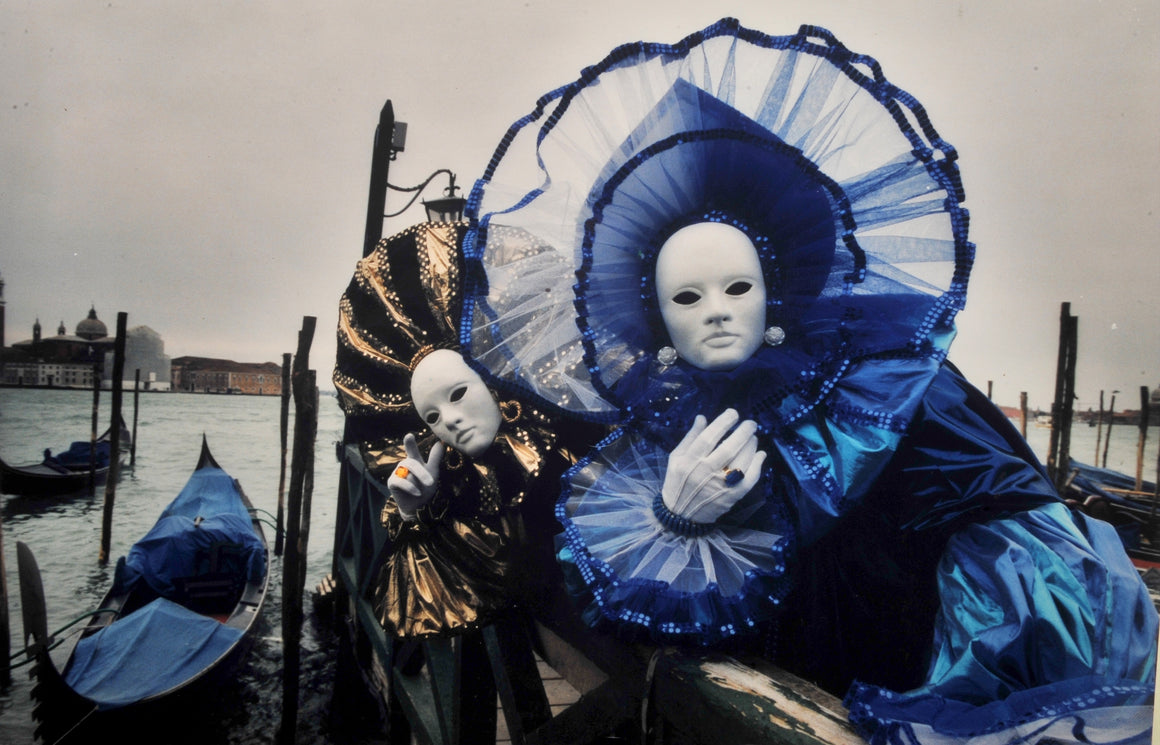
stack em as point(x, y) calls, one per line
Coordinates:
point(65, 535)
point(243, 433)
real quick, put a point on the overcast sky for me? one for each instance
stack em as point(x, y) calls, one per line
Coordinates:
point(204, 166)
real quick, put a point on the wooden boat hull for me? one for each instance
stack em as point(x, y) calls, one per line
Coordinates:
point(38, 480)
point(1111, 496)
point(186, 702)
point(45, 480)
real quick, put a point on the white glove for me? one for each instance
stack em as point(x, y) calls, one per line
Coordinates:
point(414, 481)
point(698, 485)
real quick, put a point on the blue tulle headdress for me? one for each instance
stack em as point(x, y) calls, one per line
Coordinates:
point(852, 197)
point(853, 203)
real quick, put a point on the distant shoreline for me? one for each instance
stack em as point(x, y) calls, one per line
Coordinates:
point(139, 390)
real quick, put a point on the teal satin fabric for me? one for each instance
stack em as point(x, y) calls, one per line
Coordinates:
point(1048, 580)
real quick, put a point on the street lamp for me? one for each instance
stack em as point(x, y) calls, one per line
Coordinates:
point(447, 209)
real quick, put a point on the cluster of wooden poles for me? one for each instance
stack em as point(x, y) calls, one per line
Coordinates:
point(304, 384)
point(1062, 413)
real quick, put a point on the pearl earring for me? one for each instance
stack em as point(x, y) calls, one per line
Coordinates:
point(774, 335)
point(667, 355)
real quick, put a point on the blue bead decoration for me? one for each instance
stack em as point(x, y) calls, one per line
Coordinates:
point(677, 524)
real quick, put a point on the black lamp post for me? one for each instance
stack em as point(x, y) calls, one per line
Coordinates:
point(390, 139)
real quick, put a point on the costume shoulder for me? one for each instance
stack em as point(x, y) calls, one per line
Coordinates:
point(962, 460)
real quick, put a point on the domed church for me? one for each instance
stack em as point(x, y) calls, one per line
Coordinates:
point(68, 360)
point(91, 327)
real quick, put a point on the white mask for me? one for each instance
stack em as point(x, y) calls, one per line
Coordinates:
point(711, 294)
point(454, 402)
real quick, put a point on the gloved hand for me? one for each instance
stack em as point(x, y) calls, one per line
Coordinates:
point(415, 479)
point(698, 485)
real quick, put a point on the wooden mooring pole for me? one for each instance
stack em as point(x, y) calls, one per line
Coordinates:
point(1099, 429)
point(1058, 453)
point(136, 398)
point(5, 631)
point(93, 435)
point(1023, 414)
point(307, 483)
point(1108, 432)
point(278, 534)
point(1142, 440)
point(1156, 489)
point(301, 464)
point(117, 383)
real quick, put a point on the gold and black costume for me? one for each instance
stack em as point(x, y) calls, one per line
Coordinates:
point(484, 540)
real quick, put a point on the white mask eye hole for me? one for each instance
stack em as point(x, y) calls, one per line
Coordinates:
point(740, 287)
point(432, 418)
point(688, 297)
point(458, 394)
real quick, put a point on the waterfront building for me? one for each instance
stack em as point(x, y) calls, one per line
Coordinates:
point(61, 361)
point(208, 375)
point(71, 360)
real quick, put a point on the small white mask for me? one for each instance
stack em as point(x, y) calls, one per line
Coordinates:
point(454, 402)
point(711, 295)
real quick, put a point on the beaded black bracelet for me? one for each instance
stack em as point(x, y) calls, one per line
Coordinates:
point(677, 524)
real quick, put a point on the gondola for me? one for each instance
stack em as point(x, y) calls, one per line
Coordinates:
point(1113, 497)
point(66, 472)
point(172, 631)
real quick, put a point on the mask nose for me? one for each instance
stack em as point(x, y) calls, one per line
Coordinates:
point(716, 310)
point(452, 419)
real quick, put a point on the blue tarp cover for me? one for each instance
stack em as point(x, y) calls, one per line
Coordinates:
point(171, 550)
point(150, 651)
point(164, 644)
point(77, 455)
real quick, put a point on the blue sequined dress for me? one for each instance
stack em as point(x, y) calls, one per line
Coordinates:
point(903, 545)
